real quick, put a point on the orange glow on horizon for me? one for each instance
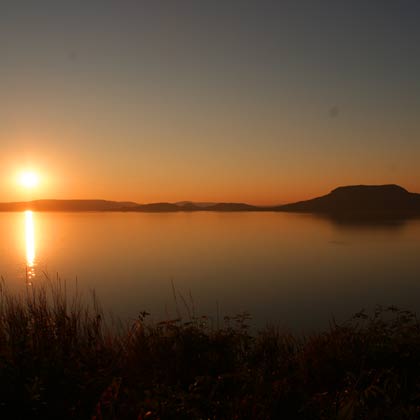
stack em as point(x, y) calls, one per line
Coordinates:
point(24, 180)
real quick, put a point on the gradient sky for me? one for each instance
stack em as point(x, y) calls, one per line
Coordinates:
point(256, 101)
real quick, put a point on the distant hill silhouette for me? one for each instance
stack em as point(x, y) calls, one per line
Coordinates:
point(356, 201)
point(190, 206)
point(161, 207)
point(361, 201)
point(195, 203)
point(234, 207)
point(68, 205)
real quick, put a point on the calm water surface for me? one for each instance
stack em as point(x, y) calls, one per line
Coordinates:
point(290, 269)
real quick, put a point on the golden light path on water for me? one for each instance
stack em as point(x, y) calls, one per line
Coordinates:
point(30, 245)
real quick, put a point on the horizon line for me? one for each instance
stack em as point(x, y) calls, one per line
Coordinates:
point(204, 202)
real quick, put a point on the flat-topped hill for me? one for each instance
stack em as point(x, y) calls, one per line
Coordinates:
point(359, 200)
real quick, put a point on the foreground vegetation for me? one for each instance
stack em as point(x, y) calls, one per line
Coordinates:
point(59, 360)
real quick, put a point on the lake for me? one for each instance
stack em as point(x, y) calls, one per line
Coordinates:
point(295, 270)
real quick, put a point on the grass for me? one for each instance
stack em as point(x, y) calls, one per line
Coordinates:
point(59, 360)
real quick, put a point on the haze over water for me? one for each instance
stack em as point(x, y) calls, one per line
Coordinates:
point(295, 270)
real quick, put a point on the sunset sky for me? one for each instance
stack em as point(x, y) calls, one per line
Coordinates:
point(256, 101)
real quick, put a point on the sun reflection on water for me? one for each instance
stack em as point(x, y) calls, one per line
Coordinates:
point(30, 245)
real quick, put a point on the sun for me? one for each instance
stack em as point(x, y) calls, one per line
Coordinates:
point(29, 179)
